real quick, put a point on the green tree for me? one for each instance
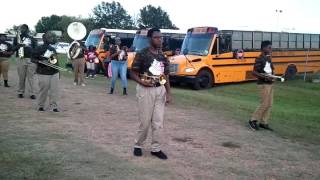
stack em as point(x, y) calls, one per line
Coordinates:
point(112, 15)
point(151, 16)
point(48, 23)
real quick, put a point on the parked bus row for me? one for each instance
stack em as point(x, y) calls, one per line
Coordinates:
point(210, 56)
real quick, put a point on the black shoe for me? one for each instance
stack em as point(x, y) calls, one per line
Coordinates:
point(41, 109)
point(160, 155)
point(55, 110)
point(20, 96)
point(265, 126)
point(111, 91)
point(137, 151)
point(125, 91)
point(6, 83)
point(32, 97)
point(253, 125)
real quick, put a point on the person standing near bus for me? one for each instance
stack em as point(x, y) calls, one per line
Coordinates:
point(150, 69)
point(263, 65)
point(119, 56)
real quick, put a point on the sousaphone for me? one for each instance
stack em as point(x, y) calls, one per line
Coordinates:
point(76, 31)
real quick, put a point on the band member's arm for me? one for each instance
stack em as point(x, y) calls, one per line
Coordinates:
point(16, 46)
point(36, 55)
point(10, 50)
point(167, 84)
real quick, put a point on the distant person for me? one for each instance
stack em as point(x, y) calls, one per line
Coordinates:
point(263, 65)
point(177, 51)
point(6, 51)
point(76, 54)
point(119, 57)
point(24, 45)
point(91, 57)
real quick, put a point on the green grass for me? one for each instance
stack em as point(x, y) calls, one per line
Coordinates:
point(295, 113)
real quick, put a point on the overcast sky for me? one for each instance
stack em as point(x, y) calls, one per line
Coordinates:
point(296, 16)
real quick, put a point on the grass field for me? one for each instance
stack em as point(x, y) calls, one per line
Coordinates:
point(295, 114)
point(47, 147)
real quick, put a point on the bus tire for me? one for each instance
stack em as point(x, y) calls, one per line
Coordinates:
point(203, 80)
point(291, 72)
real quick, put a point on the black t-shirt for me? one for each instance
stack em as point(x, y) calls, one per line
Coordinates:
point(29, 42)
point(260, 64)
point(147, 62)
point(38, 55)
point(5, 49)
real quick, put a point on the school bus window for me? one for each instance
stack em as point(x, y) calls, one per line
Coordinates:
point(225, 43)
point(197, 44)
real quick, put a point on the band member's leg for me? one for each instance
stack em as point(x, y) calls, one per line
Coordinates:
point(123, 74)
point(157, 117)
point(31, 78)
point(269, 101)
point(258, 114)
point(22, 73)
point(115, 73)
point(1, 69)
point(75, 64)
point(44, 85)
point(54, 91)
point(145, 106)
point(4, 69)
point(88, 68)
point(81, 70)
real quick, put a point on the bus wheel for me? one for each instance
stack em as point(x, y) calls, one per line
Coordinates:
point(203, 80)
point(291, 72)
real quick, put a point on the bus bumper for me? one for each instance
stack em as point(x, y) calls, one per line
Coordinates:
point(182, 79)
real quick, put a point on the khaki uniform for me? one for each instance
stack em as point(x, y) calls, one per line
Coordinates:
point(151, 100)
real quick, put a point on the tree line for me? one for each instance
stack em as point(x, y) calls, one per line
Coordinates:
point(110, 15)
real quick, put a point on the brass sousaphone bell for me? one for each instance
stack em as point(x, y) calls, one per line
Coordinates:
point(76, 31)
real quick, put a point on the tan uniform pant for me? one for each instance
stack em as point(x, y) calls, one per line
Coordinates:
point(78, 69)
point(26, 71)
point(151, 104)
point(262, 112)
point(4, 68)
point(48, 85)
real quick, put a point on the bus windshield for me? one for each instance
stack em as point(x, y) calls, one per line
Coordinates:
point(92, 39)
point(197, 44)
point(140, 42)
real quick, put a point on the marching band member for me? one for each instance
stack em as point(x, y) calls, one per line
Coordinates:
point(24, 44)
point(78, 62)
point(48, 76)
point(150, 69)
point(263, 65)
point(5, 52)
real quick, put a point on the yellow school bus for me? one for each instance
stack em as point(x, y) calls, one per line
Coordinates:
point(209, 56)
point(172, 40)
